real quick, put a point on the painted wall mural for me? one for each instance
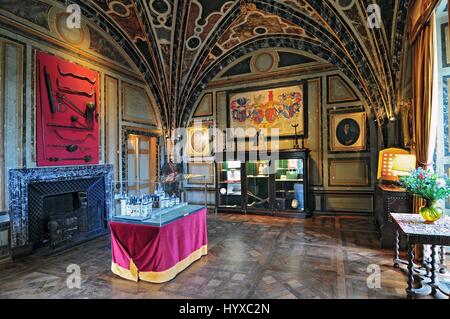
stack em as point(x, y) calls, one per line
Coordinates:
point(67, 112)
point(271, 109)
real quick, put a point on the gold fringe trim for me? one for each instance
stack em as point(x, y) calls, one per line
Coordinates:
point(163, 276)
point(130, 274)
point(158, 277)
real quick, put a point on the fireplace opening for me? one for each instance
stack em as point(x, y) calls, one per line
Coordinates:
point(64, 213)
point(64, 216)
point(62, 203)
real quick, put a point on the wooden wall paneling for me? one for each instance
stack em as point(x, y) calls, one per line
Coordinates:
point(2, 115)
point(134, 102)
point(338, 91)
point(358, 203)
point(13, 106)
point(153, 154)
point(205, 107)
point(28, 107)
point(111, 94)
point(315, 132)
point(349, 172)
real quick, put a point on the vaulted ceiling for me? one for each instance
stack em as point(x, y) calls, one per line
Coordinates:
point(180, 45)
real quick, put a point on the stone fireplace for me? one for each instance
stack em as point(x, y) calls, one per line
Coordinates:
point(59, 207)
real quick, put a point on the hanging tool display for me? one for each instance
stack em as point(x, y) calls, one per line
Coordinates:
point(71, 148)
point(86, 158)
point(69, 103)
point(48, 85)
point(72, 140)
point(67, 129)
point(75, 119)
point(90, 113)
point(72, 91)
point(76, 76)
point(72, 127)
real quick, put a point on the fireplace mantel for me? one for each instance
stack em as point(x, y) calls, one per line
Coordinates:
point(20, 179)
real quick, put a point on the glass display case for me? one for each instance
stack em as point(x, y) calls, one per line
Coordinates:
point(229, 184)
point(289, 188)
point(258, 193)
point(157, 203)
point(277, 186)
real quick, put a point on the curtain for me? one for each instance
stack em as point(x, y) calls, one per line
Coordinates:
point(424, 86)
point(424, 74)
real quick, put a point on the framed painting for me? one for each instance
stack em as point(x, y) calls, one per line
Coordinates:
point(198, 143)
point(203, 172)
point(347, 131)
point(280, 111)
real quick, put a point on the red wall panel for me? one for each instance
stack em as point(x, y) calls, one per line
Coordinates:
point(66, 134)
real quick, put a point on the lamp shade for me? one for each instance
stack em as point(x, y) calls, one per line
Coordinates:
point(403, 164)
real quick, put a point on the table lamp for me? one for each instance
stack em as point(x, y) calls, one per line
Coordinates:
point(403, 164)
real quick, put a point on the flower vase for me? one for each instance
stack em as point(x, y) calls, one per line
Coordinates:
point(430, 212)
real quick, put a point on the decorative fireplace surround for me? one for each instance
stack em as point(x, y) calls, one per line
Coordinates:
point(20, 180)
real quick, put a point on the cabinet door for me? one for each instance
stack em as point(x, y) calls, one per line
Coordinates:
point(289, 185)
point(229, 184)
point(258, 185)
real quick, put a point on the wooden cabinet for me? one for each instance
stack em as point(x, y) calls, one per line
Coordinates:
point(390, 199)
point(274, 184)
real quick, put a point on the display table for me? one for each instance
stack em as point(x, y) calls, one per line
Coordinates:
point(155, 252)
point(418, 232)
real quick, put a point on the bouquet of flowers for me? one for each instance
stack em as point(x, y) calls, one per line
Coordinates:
point(429, 186)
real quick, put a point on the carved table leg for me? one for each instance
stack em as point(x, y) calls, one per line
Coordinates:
point(397, 249)
point(433, 267)
point(409, 290)
point(442, 265)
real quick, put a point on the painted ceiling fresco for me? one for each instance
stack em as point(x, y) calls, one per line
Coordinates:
point(180, 45)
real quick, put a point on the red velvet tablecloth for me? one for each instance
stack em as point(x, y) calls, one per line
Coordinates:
point(158, 254)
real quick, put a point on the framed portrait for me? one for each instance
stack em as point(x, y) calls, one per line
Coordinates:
point(198, 142)
point(347, 131)
point(274, 109)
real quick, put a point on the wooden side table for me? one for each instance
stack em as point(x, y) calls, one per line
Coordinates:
point(390, 199)
point(417, 232)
